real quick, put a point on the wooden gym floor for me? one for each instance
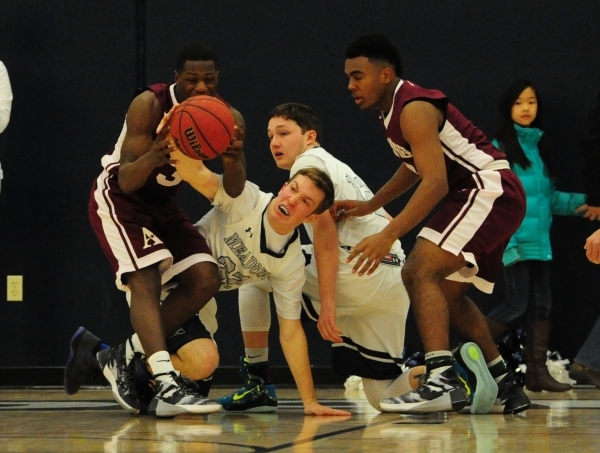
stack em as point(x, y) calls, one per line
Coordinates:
point(48, 420)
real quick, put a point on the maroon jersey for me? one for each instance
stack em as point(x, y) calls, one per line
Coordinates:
point(163, 181)
point(146, 227)
point(466, 149)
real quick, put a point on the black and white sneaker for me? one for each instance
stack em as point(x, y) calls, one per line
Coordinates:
point(511, 397)
point(120, 375)
point(82, 363)
point(144, 382)
point(439, 391)
point(180, 397)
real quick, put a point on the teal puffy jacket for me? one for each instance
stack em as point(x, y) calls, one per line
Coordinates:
point(532, 240)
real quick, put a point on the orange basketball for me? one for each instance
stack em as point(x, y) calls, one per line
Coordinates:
point(202, 127)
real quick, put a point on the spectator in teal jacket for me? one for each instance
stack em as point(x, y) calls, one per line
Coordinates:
point(528, 254)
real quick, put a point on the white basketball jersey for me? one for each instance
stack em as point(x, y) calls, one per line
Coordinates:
point(240, 248)
point(348, 186)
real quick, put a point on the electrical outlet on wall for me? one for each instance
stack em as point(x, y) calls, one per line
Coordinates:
point(14, 288)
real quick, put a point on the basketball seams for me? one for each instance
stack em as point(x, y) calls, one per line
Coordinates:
point(199, 132)
point(213, 115)
point(217, 133)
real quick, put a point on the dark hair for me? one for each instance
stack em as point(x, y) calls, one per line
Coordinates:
point(195, 51)
point(302, 114)
point(376, 47)
point(323, 182)
point(506, 133)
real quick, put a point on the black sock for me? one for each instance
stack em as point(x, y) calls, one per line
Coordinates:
point(204, 385)
point(498, 369)
point(261, 370)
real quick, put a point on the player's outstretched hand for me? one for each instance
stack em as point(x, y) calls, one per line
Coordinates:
point(315, 408)
point(370, 251)
point(164, 144)
point(165, 123)
point(342, 209)
point(592, 247)
point(236, 148)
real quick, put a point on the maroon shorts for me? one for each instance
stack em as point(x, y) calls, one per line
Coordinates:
point(138, 231)
point(477, 221)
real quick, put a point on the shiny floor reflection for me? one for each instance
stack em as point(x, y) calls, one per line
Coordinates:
point(47, 420)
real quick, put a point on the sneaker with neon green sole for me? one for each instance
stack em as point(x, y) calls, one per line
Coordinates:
point(485, 392)
point(253, 396)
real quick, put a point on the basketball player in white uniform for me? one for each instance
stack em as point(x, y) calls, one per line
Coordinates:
point(365, 319)
point(255, 240)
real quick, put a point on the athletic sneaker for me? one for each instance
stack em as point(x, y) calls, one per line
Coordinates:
point(82, 363)
point(144, 383)
point(484, 389)
point(510, 397)
point(180, 397)
point(254, 396)
point(120, 375)
point(439, 391)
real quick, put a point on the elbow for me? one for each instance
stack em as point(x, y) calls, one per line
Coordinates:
point(235, 191)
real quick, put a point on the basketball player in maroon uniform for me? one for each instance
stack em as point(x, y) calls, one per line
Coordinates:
point(481, 203)
point(149, 241)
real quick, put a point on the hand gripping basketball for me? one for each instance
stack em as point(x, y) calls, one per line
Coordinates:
point(202, 127)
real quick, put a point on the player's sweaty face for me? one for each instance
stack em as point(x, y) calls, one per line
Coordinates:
point(297, 200)
point(364, 82)
point(286, 141)
point(196, 78)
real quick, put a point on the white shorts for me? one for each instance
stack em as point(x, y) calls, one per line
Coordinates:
point(371, 312)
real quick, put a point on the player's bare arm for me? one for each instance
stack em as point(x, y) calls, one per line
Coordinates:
point(326, 248)
point(295, 349)
point(204, 180)
point(196, 174)
point(140, 152)
point(399, 183)
point(419, 122)
point(234, 160)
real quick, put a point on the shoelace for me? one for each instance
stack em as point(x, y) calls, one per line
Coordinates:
point(187, 386)
point(126, 376)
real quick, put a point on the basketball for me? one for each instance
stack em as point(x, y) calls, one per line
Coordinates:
point(202, 127)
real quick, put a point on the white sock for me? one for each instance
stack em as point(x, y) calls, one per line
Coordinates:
point(495, 361)
point(257, 355)
point(161, 366)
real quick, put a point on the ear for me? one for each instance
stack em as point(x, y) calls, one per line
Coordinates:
point(176, 76)
point(282, 187)
point(311, 218)
point(387, 75)
point(311, 137)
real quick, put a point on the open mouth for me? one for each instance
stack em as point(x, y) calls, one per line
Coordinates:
point(284, 210)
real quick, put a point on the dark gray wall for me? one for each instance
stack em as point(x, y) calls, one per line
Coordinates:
point(72, 68)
